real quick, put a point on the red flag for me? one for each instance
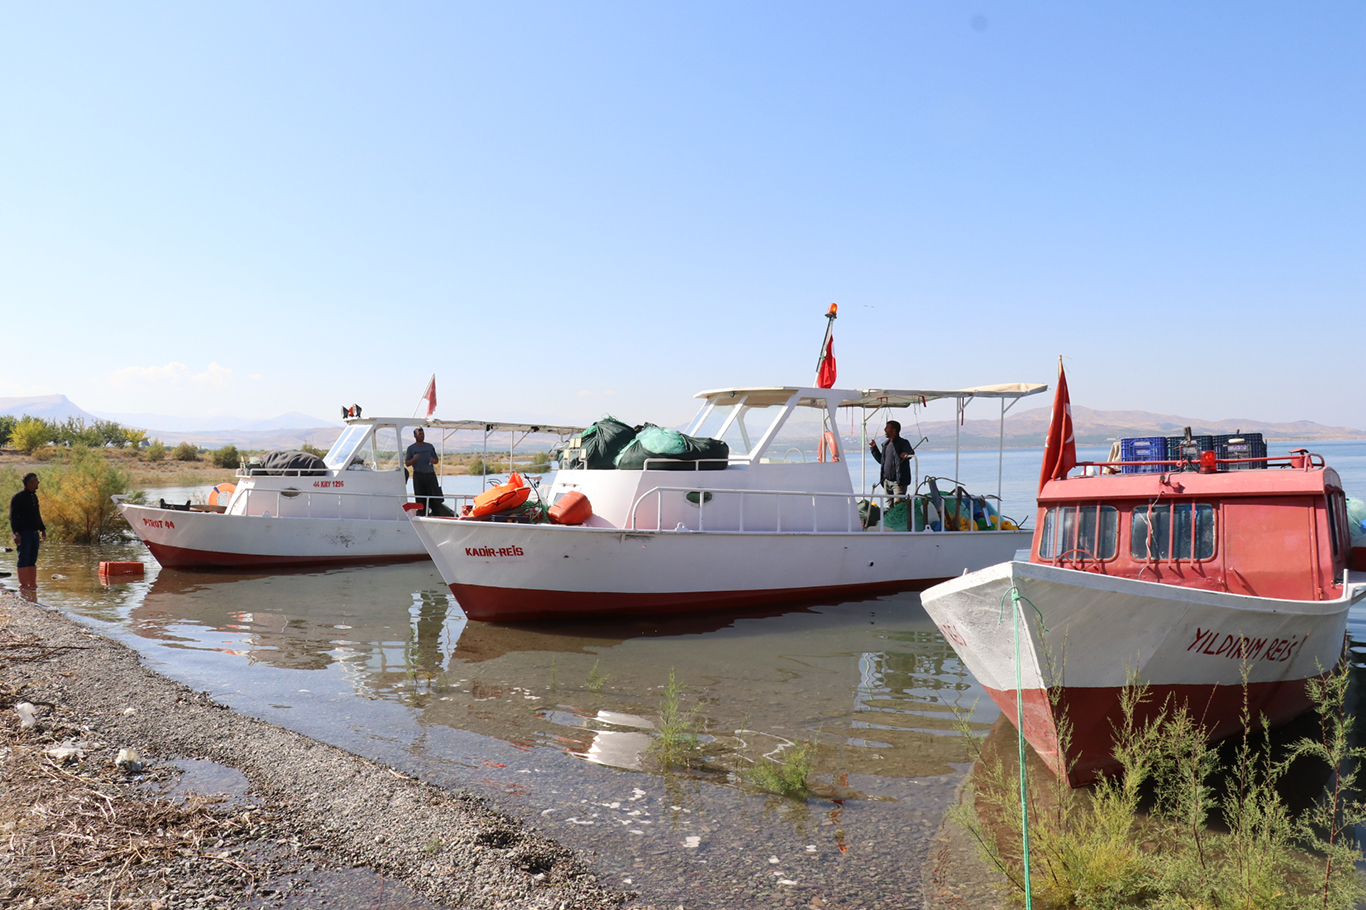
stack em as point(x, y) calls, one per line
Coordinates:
point(429, 396)
point(825, 376)
point(1060, 446)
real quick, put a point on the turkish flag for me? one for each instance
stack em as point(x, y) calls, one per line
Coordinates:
point(825, 376)
point(429, 396)
point(1060, 446)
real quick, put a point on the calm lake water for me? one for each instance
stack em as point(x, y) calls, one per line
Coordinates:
point(550, 722)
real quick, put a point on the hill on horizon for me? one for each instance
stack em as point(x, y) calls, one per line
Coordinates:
point(1022, 430)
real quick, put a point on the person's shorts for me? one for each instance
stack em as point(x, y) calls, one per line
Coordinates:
point(28, 549)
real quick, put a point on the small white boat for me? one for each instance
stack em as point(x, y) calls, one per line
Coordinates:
point(346, 507)
point(776, 520)
point(1220, 583)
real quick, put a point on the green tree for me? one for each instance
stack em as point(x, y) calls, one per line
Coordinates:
point(156, 451)
point(7, 425)
point(186, 451)
point(32, 433)
point(227, 457)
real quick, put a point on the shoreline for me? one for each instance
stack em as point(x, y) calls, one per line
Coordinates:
point(314, 811)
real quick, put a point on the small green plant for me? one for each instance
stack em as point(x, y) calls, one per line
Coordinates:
point(676, 741)
point(226, 457)
point(186, 451)
point(155, 452)
point(433, 847)
point(788, 775)
point(595, 679)
point(552, 674)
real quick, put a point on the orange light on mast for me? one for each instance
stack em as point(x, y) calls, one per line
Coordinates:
point(834, 309)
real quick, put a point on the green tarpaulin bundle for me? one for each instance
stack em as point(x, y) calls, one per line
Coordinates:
point(670, 450)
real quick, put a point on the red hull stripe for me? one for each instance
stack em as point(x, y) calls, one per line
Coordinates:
point(490, 604)
point(1095, 714)
point(182, 558)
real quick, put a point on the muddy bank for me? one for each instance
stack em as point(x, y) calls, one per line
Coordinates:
point(312, 818)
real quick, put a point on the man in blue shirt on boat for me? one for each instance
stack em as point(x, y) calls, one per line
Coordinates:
point(422, 458)
point(895, 458)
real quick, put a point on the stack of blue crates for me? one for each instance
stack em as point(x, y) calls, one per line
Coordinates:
point(1241, 445)
point(1143, 448)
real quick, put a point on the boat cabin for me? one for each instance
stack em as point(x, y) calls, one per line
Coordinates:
point(1278, 530)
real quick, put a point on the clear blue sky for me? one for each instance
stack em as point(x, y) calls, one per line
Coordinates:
point(565, 210)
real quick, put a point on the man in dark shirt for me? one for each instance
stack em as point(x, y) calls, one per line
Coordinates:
point(26, 524)
point(422, 458)
point(895, 458)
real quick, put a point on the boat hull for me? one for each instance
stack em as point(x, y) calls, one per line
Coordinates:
point(1084, 636)
point(513, 572)
point(184, 540)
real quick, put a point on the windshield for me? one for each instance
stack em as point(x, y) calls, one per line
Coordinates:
point(340, 454)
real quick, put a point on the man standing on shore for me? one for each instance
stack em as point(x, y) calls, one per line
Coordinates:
point(26, 524)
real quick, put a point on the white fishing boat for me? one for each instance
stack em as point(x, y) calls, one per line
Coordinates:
point(1219, 581)
point(344, 507)
point(769, 517)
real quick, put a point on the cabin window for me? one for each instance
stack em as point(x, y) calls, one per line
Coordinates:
point(1172, 531)
point(340, 454)
point(1335, 515)
point(386, 449)
point(1080, 531)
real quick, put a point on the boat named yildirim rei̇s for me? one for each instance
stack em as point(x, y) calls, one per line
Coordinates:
point(775, 520)
point(1208, 577)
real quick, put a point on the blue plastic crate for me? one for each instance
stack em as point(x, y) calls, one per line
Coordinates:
point(1143, 448)
point(1203, 443)
point(1240, 445)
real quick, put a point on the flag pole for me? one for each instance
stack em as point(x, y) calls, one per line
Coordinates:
point(830, 316)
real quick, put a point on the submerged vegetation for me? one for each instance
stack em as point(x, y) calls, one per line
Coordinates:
point(1179, 827)
point(676, 743)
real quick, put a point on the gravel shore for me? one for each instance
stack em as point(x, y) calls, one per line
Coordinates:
point(315, 825)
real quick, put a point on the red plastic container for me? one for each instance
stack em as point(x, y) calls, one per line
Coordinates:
point(573, 508)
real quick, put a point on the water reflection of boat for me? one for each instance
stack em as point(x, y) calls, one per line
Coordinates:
point(1221, 584)
point(346, 507)
point(772, 519)
point(369, 622)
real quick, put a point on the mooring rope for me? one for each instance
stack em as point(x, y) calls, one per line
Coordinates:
point(1015, 598)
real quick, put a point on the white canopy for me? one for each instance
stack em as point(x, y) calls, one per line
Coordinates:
point(904, 398)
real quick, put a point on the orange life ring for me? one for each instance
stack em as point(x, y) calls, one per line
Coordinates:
point(828, 447)
point(220, 494)
point(505, 496)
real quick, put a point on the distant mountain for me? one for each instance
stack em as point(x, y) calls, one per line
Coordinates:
point(1093, 427)
point(48, 407)
point(218, 423)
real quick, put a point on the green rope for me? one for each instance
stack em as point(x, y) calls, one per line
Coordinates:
point(1015, 598)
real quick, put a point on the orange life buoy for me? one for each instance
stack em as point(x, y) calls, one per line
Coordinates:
point(505, 496)
point(828, 448)
point(220, 494)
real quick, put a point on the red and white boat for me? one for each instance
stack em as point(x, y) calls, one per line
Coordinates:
point(1186, 576)
point(777, 520)
point(345, 508)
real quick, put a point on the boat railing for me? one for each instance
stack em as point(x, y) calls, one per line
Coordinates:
point(813, 521)
point(349, 504)
point(1298, 460)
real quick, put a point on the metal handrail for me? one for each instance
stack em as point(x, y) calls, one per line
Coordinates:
point(398, 499)
point(852, 520)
